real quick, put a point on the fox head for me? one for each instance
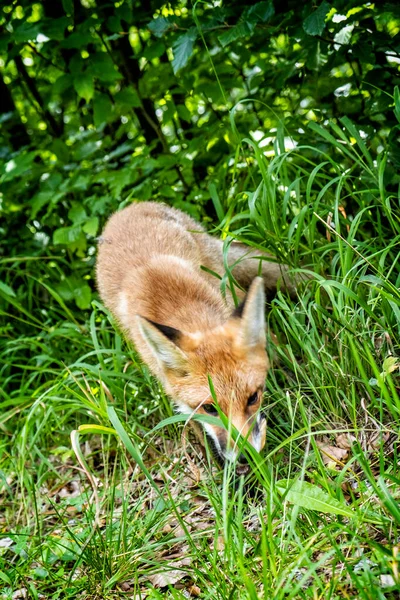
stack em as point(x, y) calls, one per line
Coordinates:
point(233, 355)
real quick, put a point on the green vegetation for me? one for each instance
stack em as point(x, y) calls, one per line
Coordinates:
point(275, 123)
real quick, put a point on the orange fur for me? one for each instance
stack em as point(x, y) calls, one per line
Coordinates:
point(148, 273)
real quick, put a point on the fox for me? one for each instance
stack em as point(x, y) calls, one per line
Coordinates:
point(155, 273)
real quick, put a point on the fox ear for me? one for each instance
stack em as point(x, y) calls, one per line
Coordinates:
point(163, 342)
point(252, 315)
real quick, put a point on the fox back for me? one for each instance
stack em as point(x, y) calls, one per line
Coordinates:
point(149, 275)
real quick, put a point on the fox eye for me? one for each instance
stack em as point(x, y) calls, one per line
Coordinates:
point(252, 399)
point(210, 409)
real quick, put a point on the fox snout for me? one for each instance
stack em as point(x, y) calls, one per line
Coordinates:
point(226, 449)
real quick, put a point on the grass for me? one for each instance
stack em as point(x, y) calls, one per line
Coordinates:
point(100, 498)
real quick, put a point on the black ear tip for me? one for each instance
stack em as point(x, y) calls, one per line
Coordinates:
point(170, 332)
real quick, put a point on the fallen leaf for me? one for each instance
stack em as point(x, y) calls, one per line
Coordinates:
point(390, 364)
point(387, 581)
point(194, 590)
point(331, 455)
point(345, 440)
point(6, 542)
point(171, 576)
point(71, 489)
point(21, 593)
point(376, 440)
point(179, 531)
point(125, 586)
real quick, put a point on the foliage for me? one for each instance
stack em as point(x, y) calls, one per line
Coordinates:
point(276, 123)
point(117, 100)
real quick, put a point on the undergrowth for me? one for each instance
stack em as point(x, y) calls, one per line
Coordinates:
point(102, 494)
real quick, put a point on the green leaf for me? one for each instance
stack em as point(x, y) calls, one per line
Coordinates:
point(102, 67)
point(68, 6)
point(161, 25)
point(85, 150)
point(307, 495)
point(184, 113)
point(5, 39)
point(216, 201)
point(143, 191)
point(65, 289)
point(39, 200)
point(185, 417)
point(77, 39)
point(390, 502)
point(119, 179)
point(83, 296)
point(343, 36)
point(114, 24)
point(84, 86)
point(102, 109)
point(76, 64)
point(262, 11)
point(5, 578)
point(242, 29)
point(397, 103)
point(154, 50)
point(61, 84)
point(54, 28)
point(132, 449)
point(91, 226)
point(41, 572)
point(390, 364)
point(75, 288)
point(127, 98)
point(67, 235)
point(18, 165)
point(100, 429)
point(124, 12)
point(26, 32)
point(182, 49)
point(77, 213)
point(316, 59)
point(356, 134)
point(314, 24)
point(7, 290)
point(60, 149)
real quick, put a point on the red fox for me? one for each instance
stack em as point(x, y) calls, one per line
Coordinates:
point(149, 276)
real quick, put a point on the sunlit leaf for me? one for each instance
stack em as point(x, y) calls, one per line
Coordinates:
point(84, 86)
point(96, 429)
point(307, 495)
point(67, 235)
point(6, 289)
point(343, 36)
point(91, 226)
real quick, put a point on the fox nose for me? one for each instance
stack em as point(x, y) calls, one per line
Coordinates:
point(242, 466)
point(242, 459)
